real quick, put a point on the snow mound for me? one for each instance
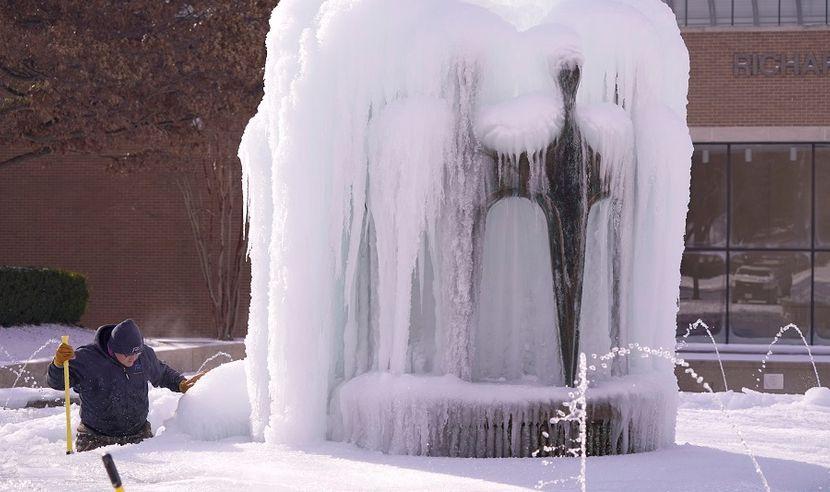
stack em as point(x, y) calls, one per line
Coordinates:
point(818, 396)
point(526, 123)
point(217, 407)
point(14, 398)
point(747, 398)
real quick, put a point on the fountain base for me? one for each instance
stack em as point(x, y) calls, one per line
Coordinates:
point(444, 416)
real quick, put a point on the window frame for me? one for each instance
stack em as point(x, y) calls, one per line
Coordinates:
point(728, 250)
point(729, 20)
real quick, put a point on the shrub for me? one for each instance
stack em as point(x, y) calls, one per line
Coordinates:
point(33, 296)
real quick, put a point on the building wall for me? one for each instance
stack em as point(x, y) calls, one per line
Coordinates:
point(129, 235)
point(743, 91)
point(721, 96)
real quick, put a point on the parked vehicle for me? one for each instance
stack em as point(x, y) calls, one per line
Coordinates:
point(759, 283)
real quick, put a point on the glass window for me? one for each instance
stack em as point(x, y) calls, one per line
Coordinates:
point(791, 12)
point(767, 12)
point(821, 309)
point(768, 290)
point(723, 12)
point(756, 12)
point(771, 196)
point(762, 277)
point(814, 11)
point(700, 13)
point(823, 196)
point(749, 12)
point(679, 9)
point(702, 295)
point(706, 220)
point(746, 13)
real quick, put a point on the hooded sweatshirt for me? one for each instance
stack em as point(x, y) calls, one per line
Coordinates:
point(113, 397)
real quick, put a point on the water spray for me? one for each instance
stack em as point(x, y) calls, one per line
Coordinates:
point(700, 324)
point(577, 407)
point(778, 336)
point(19, 374)
point(214, 356)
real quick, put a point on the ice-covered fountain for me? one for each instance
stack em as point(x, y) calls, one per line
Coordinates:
point(449, 202)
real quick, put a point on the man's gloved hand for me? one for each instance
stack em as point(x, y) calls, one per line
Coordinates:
point(186, 384)
point(63, 354)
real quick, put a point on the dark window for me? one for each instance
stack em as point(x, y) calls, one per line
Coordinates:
point(821, 308)
point(768, 290)
point(768, 11)
point(813, 11)
point(763, 261)
point(700, 13)
point(679, 8)
point(703, 295)
point(706, 221)
point(822, 196)
point(771, 196)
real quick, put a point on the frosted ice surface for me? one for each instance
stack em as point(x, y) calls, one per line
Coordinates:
point(527, 123)
point(385, 126)
point(516, 338)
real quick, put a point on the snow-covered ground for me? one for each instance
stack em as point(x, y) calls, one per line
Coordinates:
point(21, 343)
point(789, 434)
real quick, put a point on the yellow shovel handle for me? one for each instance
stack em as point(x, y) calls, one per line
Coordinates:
point(65, 339)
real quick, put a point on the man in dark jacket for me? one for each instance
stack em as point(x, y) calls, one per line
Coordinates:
point(111, 375)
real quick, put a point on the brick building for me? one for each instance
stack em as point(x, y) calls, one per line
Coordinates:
point(758, 231)
point(129, 235)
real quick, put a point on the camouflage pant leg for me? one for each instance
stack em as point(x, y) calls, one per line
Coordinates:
point(87, 439)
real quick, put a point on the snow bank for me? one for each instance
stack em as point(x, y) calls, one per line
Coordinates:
point(386, 130)
point(35, 342)
point(216, 407)
point(789, 438)
point(819, 396)
point(21, 397)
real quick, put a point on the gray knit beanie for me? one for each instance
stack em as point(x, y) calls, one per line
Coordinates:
point(126, 338)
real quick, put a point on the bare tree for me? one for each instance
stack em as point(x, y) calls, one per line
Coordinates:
point(164, 87)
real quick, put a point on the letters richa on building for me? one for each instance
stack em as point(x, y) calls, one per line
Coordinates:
point(770, 64)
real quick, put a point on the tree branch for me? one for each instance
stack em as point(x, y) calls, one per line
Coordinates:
point(19, 75)
point(27, 156)
point(14, 109)
point(11, 90)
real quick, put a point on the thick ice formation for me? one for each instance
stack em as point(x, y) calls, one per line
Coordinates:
point(391, 133)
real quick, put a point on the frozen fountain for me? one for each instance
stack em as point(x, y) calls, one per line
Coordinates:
point(450, 201)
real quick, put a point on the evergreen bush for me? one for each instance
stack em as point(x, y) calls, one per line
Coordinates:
point(33, 296)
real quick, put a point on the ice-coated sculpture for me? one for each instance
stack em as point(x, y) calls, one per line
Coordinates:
point(449, 202)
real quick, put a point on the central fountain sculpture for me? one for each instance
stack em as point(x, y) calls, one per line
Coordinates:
point(449, 203)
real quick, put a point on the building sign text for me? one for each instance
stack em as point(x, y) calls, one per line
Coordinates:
point(772, 64)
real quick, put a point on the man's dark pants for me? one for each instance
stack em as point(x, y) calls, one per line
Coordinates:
point(87, 439)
